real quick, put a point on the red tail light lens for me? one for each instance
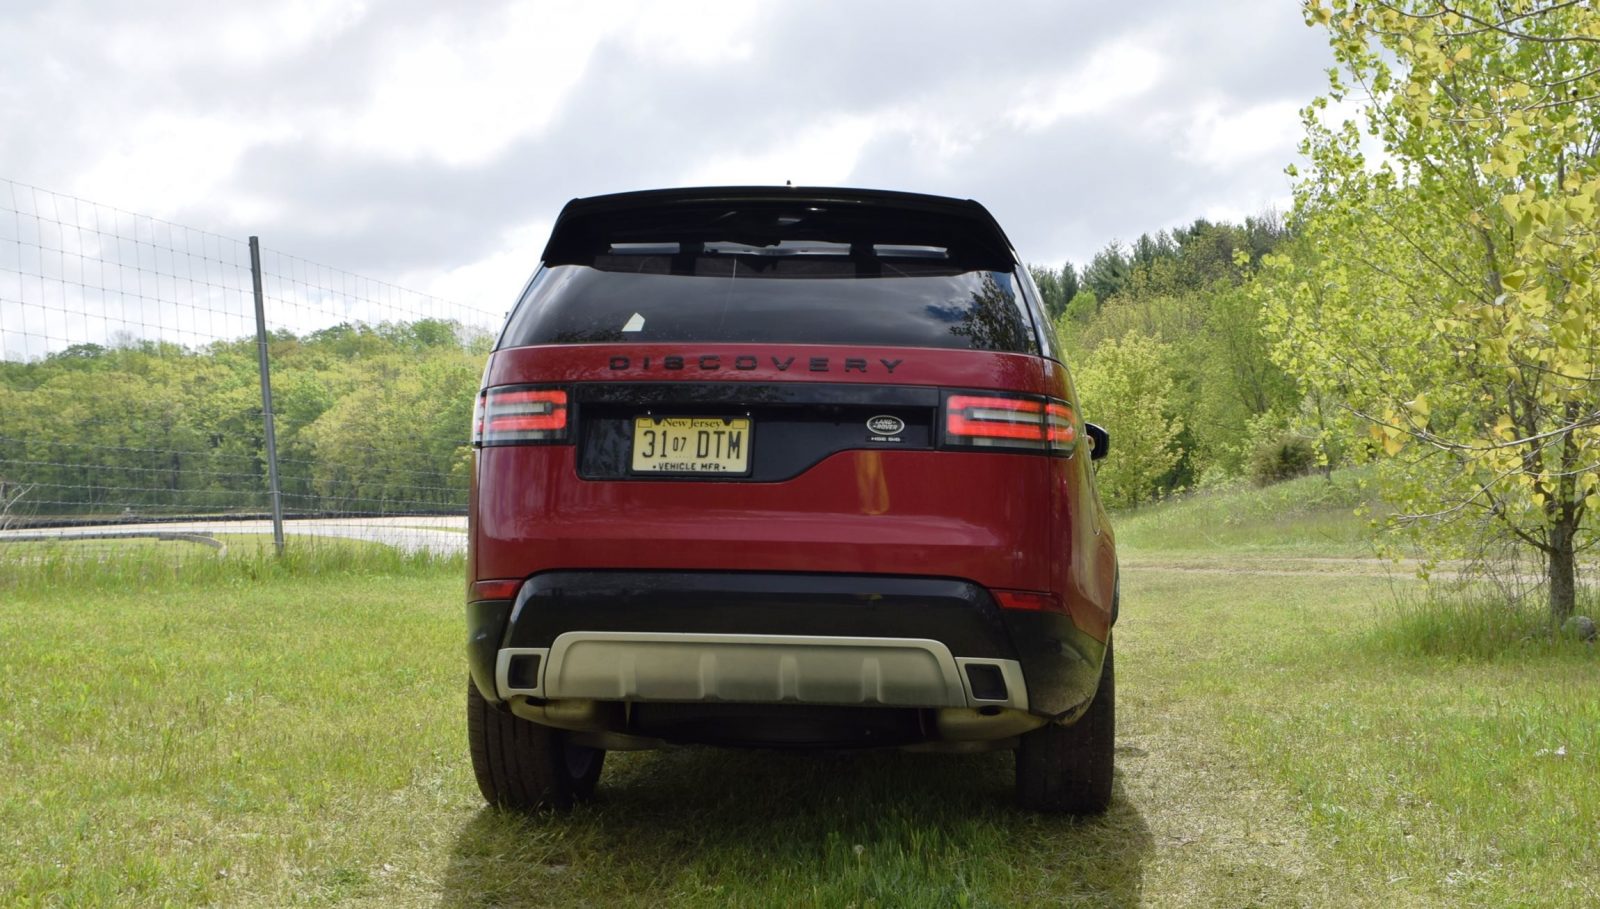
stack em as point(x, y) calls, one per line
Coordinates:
point(993, 421)
point(1059, 427)
point(1009, 423)
point(518, 414)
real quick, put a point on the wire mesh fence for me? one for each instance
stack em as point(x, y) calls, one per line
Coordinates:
point(131, 395)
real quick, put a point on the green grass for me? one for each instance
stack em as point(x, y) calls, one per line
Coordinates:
point(138, 563)
point(1453, 620)
point(301, 741)
point(1432, 777)
point(1310, 515)
point(245, 732)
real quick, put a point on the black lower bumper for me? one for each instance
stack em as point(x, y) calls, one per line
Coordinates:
point(1060, 664)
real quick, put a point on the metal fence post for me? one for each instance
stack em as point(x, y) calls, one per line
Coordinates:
point(266, 397)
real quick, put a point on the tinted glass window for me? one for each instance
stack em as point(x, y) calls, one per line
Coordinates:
point(800, 296)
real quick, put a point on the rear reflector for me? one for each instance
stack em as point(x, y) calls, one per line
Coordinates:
point(518, 414)
point(495, 590)
point(1029, 600)
point(1009, 422)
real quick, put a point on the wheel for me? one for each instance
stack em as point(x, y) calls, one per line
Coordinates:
point(1068, 768)
point(524, 766)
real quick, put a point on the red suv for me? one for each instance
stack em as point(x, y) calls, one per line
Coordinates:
point(785, 467)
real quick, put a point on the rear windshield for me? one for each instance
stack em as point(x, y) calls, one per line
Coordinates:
point(798, 294)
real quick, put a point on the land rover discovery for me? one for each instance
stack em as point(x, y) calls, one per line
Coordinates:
point(782, 468)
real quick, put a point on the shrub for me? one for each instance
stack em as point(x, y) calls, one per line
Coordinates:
point(1280, 458)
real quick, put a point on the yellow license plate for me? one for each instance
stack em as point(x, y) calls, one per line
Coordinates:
point(691, 445)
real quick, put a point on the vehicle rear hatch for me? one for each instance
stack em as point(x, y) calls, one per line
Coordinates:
point(763, 379)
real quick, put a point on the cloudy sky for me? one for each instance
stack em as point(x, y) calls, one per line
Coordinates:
point(431, 144)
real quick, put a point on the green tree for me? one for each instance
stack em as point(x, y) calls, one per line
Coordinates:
point(158, 428)
point(1127, 387)
point(1049, 283)
point(1189, 291)
point(1107, 273)
point(1070, 285)
point(1056, 288)
point(1081, 307)
point(1445, 290)
point(391, 445)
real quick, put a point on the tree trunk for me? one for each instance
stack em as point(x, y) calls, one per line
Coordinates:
point(1561, 565)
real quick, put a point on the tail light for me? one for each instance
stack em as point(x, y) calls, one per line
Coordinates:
point(520, 414)
point(1060, 430)
point(1009, 422)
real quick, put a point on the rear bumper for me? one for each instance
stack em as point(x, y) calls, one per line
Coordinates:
point(777, 638)
point(757, 669)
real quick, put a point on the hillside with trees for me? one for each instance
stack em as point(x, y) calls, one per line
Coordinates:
point(1164, 339)
point(368, 418)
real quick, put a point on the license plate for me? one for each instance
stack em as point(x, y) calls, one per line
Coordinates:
point(691, 445)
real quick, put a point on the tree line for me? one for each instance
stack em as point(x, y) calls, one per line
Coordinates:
point(1165, 345)
point(368, 418)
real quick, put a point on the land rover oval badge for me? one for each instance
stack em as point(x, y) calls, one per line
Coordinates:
point(885, 425)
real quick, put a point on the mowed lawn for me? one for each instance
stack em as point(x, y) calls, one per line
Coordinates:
point(260, 738)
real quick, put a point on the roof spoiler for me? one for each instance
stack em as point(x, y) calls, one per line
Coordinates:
point(766, 215)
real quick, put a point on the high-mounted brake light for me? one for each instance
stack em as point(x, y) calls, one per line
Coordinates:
point(518, 414)
point(1009, 422)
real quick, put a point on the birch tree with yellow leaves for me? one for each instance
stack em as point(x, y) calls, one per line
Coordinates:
point(1445, 286)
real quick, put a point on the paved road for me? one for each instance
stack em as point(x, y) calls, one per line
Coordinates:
point(443, 535)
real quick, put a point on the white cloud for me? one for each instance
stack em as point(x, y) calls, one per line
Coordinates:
point(1223, 135)
point(816, 156)
point(667, 33)
point(491, 283)
point(1116, 73)
point(460, 94)
point(241, 36)
point(168, 161)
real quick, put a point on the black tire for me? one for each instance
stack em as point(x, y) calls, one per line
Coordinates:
point(523, 766)
point(1068, 768)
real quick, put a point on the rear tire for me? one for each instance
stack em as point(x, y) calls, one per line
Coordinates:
point(1068, 768)
point(523, 766)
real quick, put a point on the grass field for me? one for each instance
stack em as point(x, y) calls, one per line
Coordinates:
point(258, 735)
point(1308, 516)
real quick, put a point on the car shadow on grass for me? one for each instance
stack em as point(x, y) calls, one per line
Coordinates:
point(763, 828)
